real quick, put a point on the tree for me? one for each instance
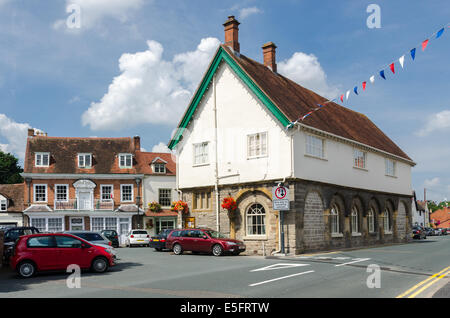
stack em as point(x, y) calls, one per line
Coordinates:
point(9, 169)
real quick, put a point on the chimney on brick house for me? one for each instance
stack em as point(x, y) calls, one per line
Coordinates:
point(137, 143)
point(269, 56)
point(30, 132)
point(232, 34)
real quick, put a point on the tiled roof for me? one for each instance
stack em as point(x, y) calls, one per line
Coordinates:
point(295, 101)
point(64, 150)
point(15, 194)
point(443, 215)
point(145, 159)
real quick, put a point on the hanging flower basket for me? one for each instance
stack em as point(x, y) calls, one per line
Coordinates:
point(180, 206)
point(230, 205)
point(154, 206)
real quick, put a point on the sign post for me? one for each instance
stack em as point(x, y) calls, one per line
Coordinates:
point(280, 202)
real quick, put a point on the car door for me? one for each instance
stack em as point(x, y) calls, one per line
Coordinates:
point(69, 251)
point(42, 249)
point(201, 244)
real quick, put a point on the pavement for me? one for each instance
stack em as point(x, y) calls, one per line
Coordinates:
point(417, 269)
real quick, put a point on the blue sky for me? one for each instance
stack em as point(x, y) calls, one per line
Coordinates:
point(72, 82)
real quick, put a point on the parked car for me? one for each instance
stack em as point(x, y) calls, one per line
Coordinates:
point(444, 231)
point(112, 236)
point(92, 237)
point(429, 231)
point(56, 251)
point(138, 237)
point(158, 242)
point(203, 240)
point(437, 232)
point(11, 235)
point(419, 232)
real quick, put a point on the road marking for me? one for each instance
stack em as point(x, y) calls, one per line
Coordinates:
point(279, 278)
point(341, 258)
point(434, 278)
point(356, 260)
point(278, 266)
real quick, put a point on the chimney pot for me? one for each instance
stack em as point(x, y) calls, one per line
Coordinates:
point(137, 143)
point(270, 56)
point(232, 33)
point(30, 132)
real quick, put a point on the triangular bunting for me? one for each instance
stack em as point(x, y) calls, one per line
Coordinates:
point(413, 53)
point(402, 60)
point(438, 35)
point(364, 85)
point(424, 44)
point(342, 98)
point(382, 74)
point(356, 90)
point(347, 94)
point(392, 68)
point(372, 79)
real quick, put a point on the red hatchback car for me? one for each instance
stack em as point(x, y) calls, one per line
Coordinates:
point(203, 241)
point(41, 252)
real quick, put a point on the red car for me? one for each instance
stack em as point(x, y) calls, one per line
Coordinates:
point(203, 241)
point(41, 252)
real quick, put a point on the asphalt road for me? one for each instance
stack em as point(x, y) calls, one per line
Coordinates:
point(405, 270)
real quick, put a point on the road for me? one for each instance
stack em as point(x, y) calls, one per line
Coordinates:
point(405, 270)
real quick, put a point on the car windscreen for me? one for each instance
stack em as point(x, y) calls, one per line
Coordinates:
point(215, 234)
point(89, 236)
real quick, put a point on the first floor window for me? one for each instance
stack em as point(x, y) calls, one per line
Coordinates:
point(39, 223)
point(256, 216)
point(371, 220)
point(62, 192)
point(106, 192)
point(165, 197)
point(3, 205)
point(334, 219)
point(354, 220)
point(390, 167)
point(126, 192)
point(257, 145)
point(201, 153)
point(314, 146)
point(359, 159)
point(55, 224)
point(40, 193)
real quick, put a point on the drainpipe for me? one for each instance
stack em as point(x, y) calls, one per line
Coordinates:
point(216, 184)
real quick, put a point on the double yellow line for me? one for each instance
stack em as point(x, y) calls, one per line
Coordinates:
point(412, 292)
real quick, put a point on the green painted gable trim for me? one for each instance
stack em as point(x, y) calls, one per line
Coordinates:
point(220, 56)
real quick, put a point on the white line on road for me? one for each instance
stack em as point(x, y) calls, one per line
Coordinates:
point(357, 260)
point(278, 266)
point(275, 279)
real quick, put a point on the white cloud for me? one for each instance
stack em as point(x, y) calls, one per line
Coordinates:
point(94, 11)
point(306, 70)
point(161, 147)
point(15, 134)
point(149, 88)
point(435, 123)
point(245, 12)
point(431, 183)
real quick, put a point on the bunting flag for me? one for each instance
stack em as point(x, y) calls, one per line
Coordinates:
point(392, 68)
point(391, 65)
point(413, 53)
point(402, 60)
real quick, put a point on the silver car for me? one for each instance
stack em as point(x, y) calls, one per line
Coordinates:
point(94, 238)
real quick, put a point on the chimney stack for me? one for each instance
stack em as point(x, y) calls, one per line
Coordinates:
point(232, 33)
point(30, 132)
point(137, 143)
point(269, 56)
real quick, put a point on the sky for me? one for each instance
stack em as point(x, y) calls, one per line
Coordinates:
point(123, 68)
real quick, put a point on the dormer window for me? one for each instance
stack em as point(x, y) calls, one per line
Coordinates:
point(42, 159)
point(3, 203)
point(125, 160)
point(159, 168)
point(84, 160)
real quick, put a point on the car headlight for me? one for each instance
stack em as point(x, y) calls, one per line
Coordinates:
point(109, 251)
point(231, 243)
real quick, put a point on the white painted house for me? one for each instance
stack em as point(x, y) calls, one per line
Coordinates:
point(349, 183)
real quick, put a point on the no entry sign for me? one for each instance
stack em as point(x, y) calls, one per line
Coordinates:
point(280, 198)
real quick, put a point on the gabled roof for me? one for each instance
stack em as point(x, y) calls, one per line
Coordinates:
point(145, 160)
point(288, 101)
point(64, 150)
point(15, 194)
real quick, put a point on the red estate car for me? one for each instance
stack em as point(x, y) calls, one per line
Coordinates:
point(203, 240)
point(41, 252)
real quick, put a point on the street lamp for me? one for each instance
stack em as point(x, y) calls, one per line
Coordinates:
point(138, 200)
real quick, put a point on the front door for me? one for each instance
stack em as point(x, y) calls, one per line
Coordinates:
point(124, 229)
point(76, 224)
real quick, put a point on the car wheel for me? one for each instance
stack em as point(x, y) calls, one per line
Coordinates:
point(217, 250)
point(177, 249)
point(99, 265)
point(26, 269)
